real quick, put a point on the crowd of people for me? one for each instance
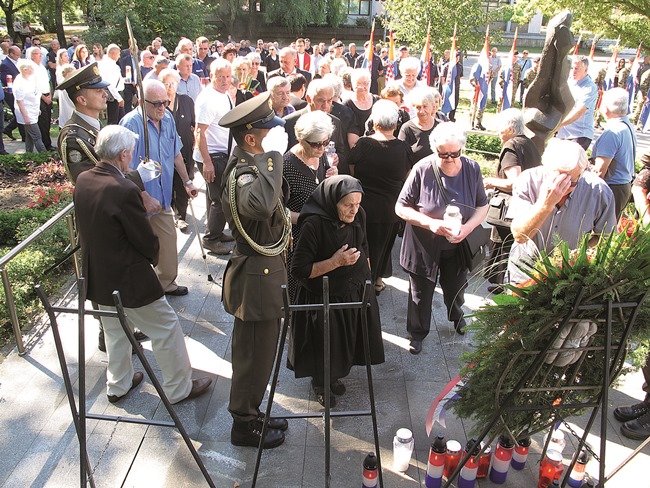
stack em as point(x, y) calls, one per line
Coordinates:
point(314, 144)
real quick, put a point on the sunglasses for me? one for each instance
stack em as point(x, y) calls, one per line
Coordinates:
point(316, 145)
point(446, 155)
point(159, 104)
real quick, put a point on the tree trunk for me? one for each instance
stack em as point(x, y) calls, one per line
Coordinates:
point(58, 19)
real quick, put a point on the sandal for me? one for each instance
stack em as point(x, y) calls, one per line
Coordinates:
point(379, 287)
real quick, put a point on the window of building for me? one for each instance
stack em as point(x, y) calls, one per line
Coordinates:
point(358, 7)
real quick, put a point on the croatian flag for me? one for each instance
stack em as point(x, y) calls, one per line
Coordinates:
point(576, 48)
point(507, 75)
point(426, 58)
point(449, 90)
point(390, 65)
point(481, 73)
point(611, 69)
point(631, 80)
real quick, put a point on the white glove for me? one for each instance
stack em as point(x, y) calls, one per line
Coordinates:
point(277, 139)
point(149, 170)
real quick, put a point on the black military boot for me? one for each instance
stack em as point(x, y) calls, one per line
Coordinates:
point(249, 434)
point(625, 414)
point(637, 429)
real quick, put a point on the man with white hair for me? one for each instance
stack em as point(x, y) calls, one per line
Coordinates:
point(557, 201)
point(614, 151)
point(190, 83)
point(213, 145)
point(287, 56)
point(118, 249)
point(578, 125)
point(280, 89)
point(165, 148)
point(110, 72)
point(186, 46)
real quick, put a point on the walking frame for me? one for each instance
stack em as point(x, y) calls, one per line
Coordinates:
point(326, 306)
point(79, 414)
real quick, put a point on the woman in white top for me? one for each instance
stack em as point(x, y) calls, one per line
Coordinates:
point(27, 98)
point(66, 107)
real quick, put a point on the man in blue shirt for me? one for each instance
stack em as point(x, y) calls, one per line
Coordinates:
point(614, 151)
point(578, 125)
point(165, 148)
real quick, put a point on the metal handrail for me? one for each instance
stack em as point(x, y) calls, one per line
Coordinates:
point(4, 260)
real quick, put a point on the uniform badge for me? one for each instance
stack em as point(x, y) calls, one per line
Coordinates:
point(245, 179)
point(96, 70)
point(74, 156)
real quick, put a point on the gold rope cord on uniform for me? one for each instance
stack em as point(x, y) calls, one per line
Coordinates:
point(273, 249)
point(84, 148)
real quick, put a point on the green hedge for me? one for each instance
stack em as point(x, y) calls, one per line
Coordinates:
point(24, 162)
point(477, 142)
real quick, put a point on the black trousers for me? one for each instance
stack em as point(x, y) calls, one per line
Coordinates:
point(130, 92)
point(498, 263)
point(453, 281)
point(44, 123)
point(253, 352)
point(622, 194)
point(114, 112)
point(216, 218)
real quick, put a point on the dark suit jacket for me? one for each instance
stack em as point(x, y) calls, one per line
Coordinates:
point(118, 244)
point(7, 67)
point(278, 72)
point(126, 60)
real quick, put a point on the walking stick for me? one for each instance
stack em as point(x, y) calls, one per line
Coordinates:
point(198, 236)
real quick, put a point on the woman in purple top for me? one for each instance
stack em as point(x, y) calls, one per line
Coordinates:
point(429, 246)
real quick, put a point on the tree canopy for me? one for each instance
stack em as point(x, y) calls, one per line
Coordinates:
point(408, 20)
point(170, 19)
point(610, 18)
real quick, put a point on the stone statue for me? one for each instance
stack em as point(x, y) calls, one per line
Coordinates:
point(549, 97)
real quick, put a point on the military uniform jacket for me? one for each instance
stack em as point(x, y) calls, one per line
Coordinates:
point(252, 282)
point(76, 145)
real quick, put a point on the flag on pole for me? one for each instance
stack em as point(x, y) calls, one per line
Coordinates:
point(577, 46)
point(592, 50)
point(390, 66)
point(611, 68)
point(481, 73)
point(449, 89)
point(367, 62)
point(631, 85)
point(426, 58)
point(508, 73)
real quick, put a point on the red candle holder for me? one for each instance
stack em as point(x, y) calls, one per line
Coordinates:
point(550, 468)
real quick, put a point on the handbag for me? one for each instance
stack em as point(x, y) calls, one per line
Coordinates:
point(473, 249)
point(498, 208)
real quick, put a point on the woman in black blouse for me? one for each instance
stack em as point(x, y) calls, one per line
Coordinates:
point(416, 132)
point(182, 108)
point(360, 103)
point(305, 166)
point(381, 163)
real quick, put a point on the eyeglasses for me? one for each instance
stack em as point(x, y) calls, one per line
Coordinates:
point(164, 103)
point(316, 145)
point(446, 155)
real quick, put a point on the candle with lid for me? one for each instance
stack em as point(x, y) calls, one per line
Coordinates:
point(436, 464)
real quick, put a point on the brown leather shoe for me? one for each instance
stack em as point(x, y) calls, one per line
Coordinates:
point(199, 387)
point(137, 379)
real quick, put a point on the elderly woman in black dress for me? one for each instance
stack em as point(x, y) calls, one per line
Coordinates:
point(182, 108)
point(305, 166)
point(430, 245)
point(332, 242)
point(381, 163)
point(518, 153)
point(425, 101)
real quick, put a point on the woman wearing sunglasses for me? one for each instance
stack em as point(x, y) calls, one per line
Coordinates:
point(430, 245)
point(305, 166)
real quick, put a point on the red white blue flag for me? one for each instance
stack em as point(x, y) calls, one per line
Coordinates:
point(508, 73)
point(449, 88)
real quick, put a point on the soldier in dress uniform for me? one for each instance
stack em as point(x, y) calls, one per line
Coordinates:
point(76, 143)
point(254, 204)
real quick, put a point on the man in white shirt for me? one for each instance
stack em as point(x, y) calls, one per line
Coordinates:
point(212, 148)
point(35, 54)
point(110, 72)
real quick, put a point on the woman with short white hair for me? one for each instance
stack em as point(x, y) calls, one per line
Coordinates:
point(305, 166)
point(518, 154)
point(27, 104)
point(381, 162)
point(430, 246)
point(360, 103)
point(424, 102)
point(256, 73)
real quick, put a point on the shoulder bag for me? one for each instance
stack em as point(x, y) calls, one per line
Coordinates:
point(472, 249)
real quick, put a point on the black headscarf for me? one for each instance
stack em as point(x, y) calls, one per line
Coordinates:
point(326, 195)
